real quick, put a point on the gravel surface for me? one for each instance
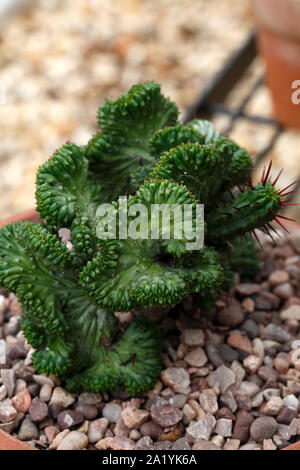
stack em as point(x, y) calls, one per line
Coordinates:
point(225, 385)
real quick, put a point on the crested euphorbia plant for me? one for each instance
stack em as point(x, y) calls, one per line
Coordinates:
point(69, 296)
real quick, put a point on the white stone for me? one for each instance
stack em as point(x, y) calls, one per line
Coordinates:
point(290, 401)
point(224, 427)
point(134, 418)
point(62, 397)
point(273, 406)
point(202, 429)
point(222, 377)
point(97, 429)
point(112, 411)
point(75, 440)
point(176, 378)
point(42, 380)
point(291, 313)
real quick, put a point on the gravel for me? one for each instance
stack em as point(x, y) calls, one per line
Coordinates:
point(248, 401)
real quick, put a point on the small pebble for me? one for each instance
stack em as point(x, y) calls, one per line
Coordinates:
point(22, 401)
point(250, 388)
point(7, 411)
point(28, 430)
point(231, 444)
point(203, 444)
point(224, 427)
point(240, 342)
point(58, 439)
point(196, 357)
point(247, 289)
point(62, 397)
point(176, 378)
point(178, 401)
point(278, 277)
point(166, 415)
point(38, 410)
point(8, 379)
point(133, 418)
point(222, 377)
point(89, 398)
point(68, 418)
point(231, 315)
point(208, 401)
point(242, 426)
point(281, 365)
point(268, 444)
point(151, 429)
point(291, 313)
point(193, 337)
point(112, 412)
point(276, 333)
point(116, 443)
point(286, 415)
point(252, 363)
point(75, 440)
point(202, 429)
point(290, 401)
point(263, 428)
point(284, 291)
point(2, 392)
point(51, 432)
point(97, 429)
point(46, 392)
point(88, 411)
point(273, 406)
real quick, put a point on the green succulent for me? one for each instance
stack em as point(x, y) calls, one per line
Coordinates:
point(69, 296)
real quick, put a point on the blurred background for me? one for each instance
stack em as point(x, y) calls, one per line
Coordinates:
point(60, 59)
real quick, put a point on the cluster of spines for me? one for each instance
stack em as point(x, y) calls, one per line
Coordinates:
point(274, 213)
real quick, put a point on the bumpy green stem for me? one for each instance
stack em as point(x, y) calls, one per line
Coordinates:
point(69, 296)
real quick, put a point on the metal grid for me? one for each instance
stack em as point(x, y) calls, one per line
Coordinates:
point(213, 103)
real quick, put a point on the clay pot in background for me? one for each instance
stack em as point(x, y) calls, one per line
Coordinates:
point(278, 24)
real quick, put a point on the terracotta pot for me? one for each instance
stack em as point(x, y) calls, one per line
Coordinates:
point(8, 442)
point(279, 42)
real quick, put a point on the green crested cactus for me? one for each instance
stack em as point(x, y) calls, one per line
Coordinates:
point(69, 296)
